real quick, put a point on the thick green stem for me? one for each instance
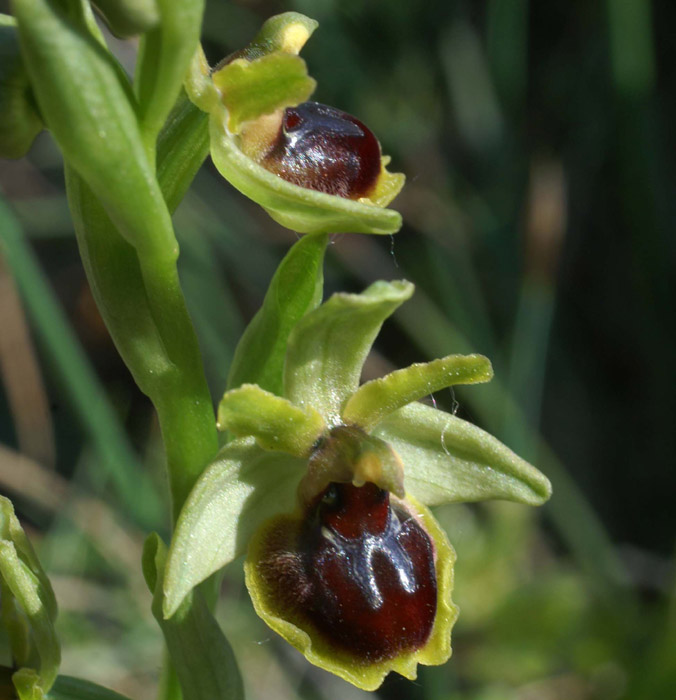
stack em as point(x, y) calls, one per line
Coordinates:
point(144, 310)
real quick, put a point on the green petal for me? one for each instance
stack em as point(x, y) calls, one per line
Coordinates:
point(328, 346)
point(286, 32)
point(295, 289)
point(298, 208)
point(448, 460)
point(291, 625)
point(380, 397)
point(23, 581)
point(250, 89)
point(241, 488)
point(276, 423)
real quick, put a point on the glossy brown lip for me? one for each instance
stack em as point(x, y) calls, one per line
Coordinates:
point(324, 149)
point(368, 573)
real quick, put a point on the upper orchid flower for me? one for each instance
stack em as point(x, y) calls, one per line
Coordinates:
point(327, 483)
point(313, 168)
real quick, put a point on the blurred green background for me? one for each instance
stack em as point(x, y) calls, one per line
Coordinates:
point(539, 230)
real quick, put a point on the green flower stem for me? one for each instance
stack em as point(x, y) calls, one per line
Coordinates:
point(145, 312)
point(201, 655)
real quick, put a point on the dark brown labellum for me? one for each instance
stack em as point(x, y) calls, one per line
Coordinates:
point(324, 149)
point(360, 570)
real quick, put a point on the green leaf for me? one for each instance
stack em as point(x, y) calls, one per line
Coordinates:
point(127, 18)
point(328, 347)
point(24, 579)
point(298, 208)
point(20, 121)
point(200, 653)
point(69, 688)
point(164, 57)
point(252, 89)
point(295, 289)
point(275, 422)
point(241, 488)
point(448, 460)
point(90, 110)
point(376, 399)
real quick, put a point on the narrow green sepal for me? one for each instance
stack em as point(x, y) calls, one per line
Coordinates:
point(23, 581)
point(376, 399)
point(449, 460)
point(250, 89)
point(328, 346)
point(295, 289)
point(242, 487)
point(276, 423)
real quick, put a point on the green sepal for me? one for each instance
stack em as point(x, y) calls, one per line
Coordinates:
point(200, 653)
point(242, 487)
point(295, 289)
point(127, 18)
point(20, 120)
point(328, 347)
point(24, 581)
point(250, 89)
point(276, 423)
point(298, 208)
point(376, 399)
point(448, 460)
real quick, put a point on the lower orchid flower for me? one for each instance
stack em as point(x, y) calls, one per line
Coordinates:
point(327, 484)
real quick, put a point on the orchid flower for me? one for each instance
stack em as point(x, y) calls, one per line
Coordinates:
point(328, 484)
